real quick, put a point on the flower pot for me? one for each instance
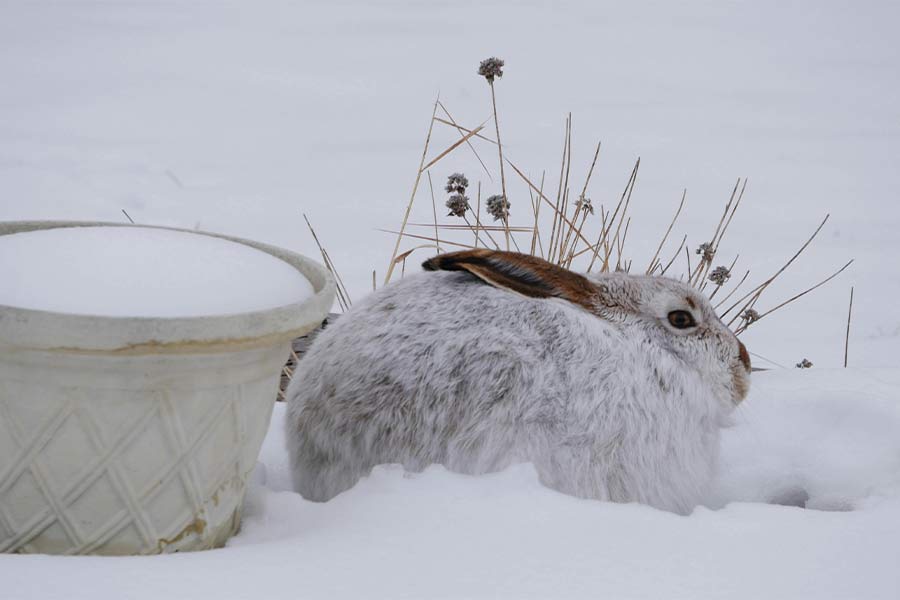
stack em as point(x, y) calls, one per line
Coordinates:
point(123, 435)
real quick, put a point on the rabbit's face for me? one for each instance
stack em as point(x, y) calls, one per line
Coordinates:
point(670, 315)
point(681, 320)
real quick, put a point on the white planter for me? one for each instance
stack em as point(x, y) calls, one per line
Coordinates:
point(124, 435)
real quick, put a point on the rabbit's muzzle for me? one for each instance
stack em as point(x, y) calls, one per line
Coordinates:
point(740, 374)
point(744, 355)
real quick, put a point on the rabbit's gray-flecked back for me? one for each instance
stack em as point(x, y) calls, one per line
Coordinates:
point(498, 358)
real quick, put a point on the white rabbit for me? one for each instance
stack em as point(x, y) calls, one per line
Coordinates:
point(614, 386)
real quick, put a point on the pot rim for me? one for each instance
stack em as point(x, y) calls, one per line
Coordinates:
point(29, 329)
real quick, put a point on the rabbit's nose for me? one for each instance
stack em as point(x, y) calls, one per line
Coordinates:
point(744, 355)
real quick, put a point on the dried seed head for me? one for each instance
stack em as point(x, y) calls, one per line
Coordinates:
point(490, 68)
point(458, 205)
point(750, 315)
point(585, 205)
point(456, 184)
point(720, 275)
point(498, 207)
point(804, 364)
point(706, 252)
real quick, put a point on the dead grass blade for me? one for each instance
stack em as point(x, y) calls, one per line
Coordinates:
point(412, 196)
point(462, 133)
point(743, 327)
point(847, 335)
point(756, 292)
point(662, 242)
point(341, 291)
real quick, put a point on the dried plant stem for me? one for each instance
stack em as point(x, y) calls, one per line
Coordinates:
point(756, 292)
point(341, 291)
point(621, 245)
point(733, 290)
point(557, 212)
point(721, 227)
point(540, 193)
point(462, 133)
point(477, 212)
point(536, 207)
point(847, 334)
point(719, 286)
point(127, 216)
point(666, 236)
point(582, 205)
point(480, 226)
point(437, 238)
point(674, 256)
point(412, 196)
point(500, 152)
point(795, 297)
point(468, 226)
point(604, 234)
point(424, 237)
point(565, 188)
point(687, 253)
point(464, 130)
point(453, 147)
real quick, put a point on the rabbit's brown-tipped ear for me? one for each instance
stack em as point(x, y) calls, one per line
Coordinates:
point(519, 273)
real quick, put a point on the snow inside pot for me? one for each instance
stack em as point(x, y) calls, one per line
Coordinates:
point(138, 371)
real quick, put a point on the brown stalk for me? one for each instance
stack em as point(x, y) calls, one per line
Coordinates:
point(720, 229)
point(557, 213)
point(733, 290)
point(468, 227)
point(674, 256)
point(719, 287)
point(668, 231)
point(437, 239)
point(847, 335)
point(687, 253)
point(423, 237)
point(412, 196)
point(565, 205)
point(478, 224)
point(341, 292)
point(756, 292)
point(630, 189)
point(541, 195)
point(464, 130)
point(795, 297)
point(453, 147)
point(468, 142)
point(582, 200)
point(500, 152)
point(603, 238)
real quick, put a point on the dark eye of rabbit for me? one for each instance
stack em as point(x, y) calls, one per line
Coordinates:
point(682, 319)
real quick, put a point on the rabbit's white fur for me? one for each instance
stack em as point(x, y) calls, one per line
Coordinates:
point(613, 404)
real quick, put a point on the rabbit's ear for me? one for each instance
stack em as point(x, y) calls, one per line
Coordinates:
point(519, 273)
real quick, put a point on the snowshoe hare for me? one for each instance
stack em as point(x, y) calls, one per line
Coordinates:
point(614, 386)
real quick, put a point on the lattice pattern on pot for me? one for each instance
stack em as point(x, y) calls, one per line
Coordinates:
point(162, 467)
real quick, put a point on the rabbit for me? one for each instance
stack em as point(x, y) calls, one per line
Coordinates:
point(614, 386)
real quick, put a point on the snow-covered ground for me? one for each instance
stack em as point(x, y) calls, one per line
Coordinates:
point(823, 439)
point(237, 117)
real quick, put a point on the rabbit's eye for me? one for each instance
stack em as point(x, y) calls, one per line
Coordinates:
point(682, 319)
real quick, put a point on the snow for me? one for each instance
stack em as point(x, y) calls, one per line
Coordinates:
point(829, 435)
point(142, 272)
point(238, 117)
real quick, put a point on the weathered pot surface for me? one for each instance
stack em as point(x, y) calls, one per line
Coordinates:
point(123, 435)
